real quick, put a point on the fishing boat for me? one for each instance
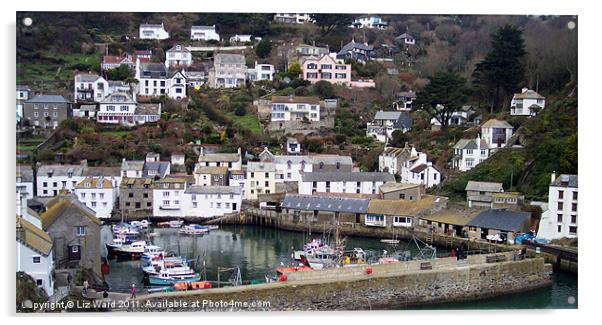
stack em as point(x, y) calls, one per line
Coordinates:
point(171, 224)
point(212, 227)
point(193, 230)
point(133, 250)
point(290, 269)
point(181, 286)
point(125, 230)
point(143, 224)
point(152, 252)
point(165, 278)
point(179, 267)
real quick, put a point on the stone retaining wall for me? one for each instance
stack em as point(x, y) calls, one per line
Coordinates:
point(385, 288)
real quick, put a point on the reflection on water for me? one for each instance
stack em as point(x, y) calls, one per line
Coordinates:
point(258, 251)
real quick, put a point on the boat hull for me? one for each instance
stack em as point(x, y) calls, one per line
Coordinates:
point(167, 282)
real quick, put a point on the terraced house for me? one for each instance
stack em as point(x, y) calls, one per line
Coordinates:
point(343, 182)
point(211, 201)
point(98, 194)
point(136, 196)
point(168, 194)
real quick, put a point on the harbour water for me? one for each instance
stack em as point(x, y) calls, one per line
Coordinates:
point(258, 251)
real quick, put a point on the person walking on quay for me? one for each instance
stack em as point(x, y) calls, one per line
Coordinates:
point(85, 291)
point(133, 291)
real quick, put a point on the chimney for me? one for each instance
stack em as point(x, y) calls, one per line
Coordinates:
point(553, 177)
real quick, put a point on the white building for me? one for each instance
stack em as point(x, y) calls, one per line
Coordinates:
point(295, 108)
point(231, 160)
point(261, 72)
point(343, 182)
point(422, 172)
point(154, 79)
point(241, 38)
point(560, 220)
point(89, 87)
point(406, 39)
point(527, 103)
point(51, 179)
point(22, 95)
point(204, 33)
point(168, 194)
point(459, 117)
point(212, 201)
point(98, 194)
point(369, 22)
point(260, 179)
point(238, 178)
point(293, 146)
point(470, 152)
point(385, 123)
point(153, 31)
point(117, 108)
point(132, 168)
point(496, 133)
point(293, 18)
point(24, 182)
point(178, 56)
point(34, 253)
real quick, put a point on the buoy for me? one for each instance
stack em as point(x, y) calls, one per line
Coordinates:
point(369, 270)
point(283, 278)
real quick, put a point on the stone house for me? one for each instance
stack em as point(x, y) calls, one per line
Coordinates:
point(136, 196)
point(46, 111)
point(75, 233)
point(480, 194)
point(211, 176)
point(400, 191)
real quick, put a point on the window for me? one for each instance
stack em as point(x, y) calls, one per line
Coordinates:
point(36, 259)
point(560, 195)
point(560, 206)
point(559, 217)
point(402, 196)
point(39, 282)
point(559, 228)
point(573, 219)
point(574, 207)
point(573, 230)
point(94, 204)
point(80, 231)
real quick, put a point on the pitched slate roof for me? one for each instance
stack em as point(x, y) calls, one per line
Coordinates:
point(216, 157)
point(484, 186)
point(48, 99)
point(153, 70)
point(86, 77)
point(151, 25)
point(61, 170)
point(402, 119)
point(25, 172)
point(254, 166)
point(355, 45)
point(470, 144)
point(178, 48)
point(529, 94)
point(347, 177)
point(227, 58)
point(493, 123)
point(322, 203)
point(502, 219)
point(33, 237)
point(402, 207)
point(197, 189)
point(198, 169)
point(159, 166)
point(120, 98)
point(565, 180)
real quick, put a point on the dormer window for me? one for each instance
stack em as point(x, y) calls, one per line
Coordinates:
point(165, 185)
point(87, 184)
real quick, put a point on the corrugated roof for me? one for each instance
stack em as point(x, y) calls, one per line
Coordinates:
point(484, 186)
point(502, 219)
point(452, 216)
point(320, 203)
point(347, 177)
point(33, 237)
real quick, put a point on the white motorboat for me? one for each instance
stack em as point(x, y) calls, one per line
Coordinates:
point(133, 250)
point(194, 230)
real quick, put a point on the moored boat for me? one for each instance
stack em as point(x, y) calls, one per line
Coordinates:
point(194, 230)
point(192, 285)
point(165, 279)
point(133, 250)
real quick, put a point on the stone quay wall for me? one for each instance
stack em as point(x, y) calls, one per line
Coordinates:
point(393, 286)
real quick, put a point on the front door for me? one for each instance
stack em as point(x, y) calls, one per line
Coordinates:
point(234, 206)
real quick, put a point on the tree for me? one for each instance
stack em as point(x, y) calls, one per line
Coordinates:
point(387, 86)
point(324, 89)
point(122, 72)
point(294, 70)
point(445, 93)
point(264, 47)
point(503, 69)
point(330, 22)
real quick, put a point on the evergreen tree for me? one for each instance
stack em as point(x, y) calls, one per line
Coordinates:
point(503, 69)
point(330, 22)
point(264, 48)
point(445, 94)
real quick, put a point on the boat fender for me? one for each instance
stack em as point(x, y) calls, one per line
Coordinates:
point(283, 278)
point(369, 270)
